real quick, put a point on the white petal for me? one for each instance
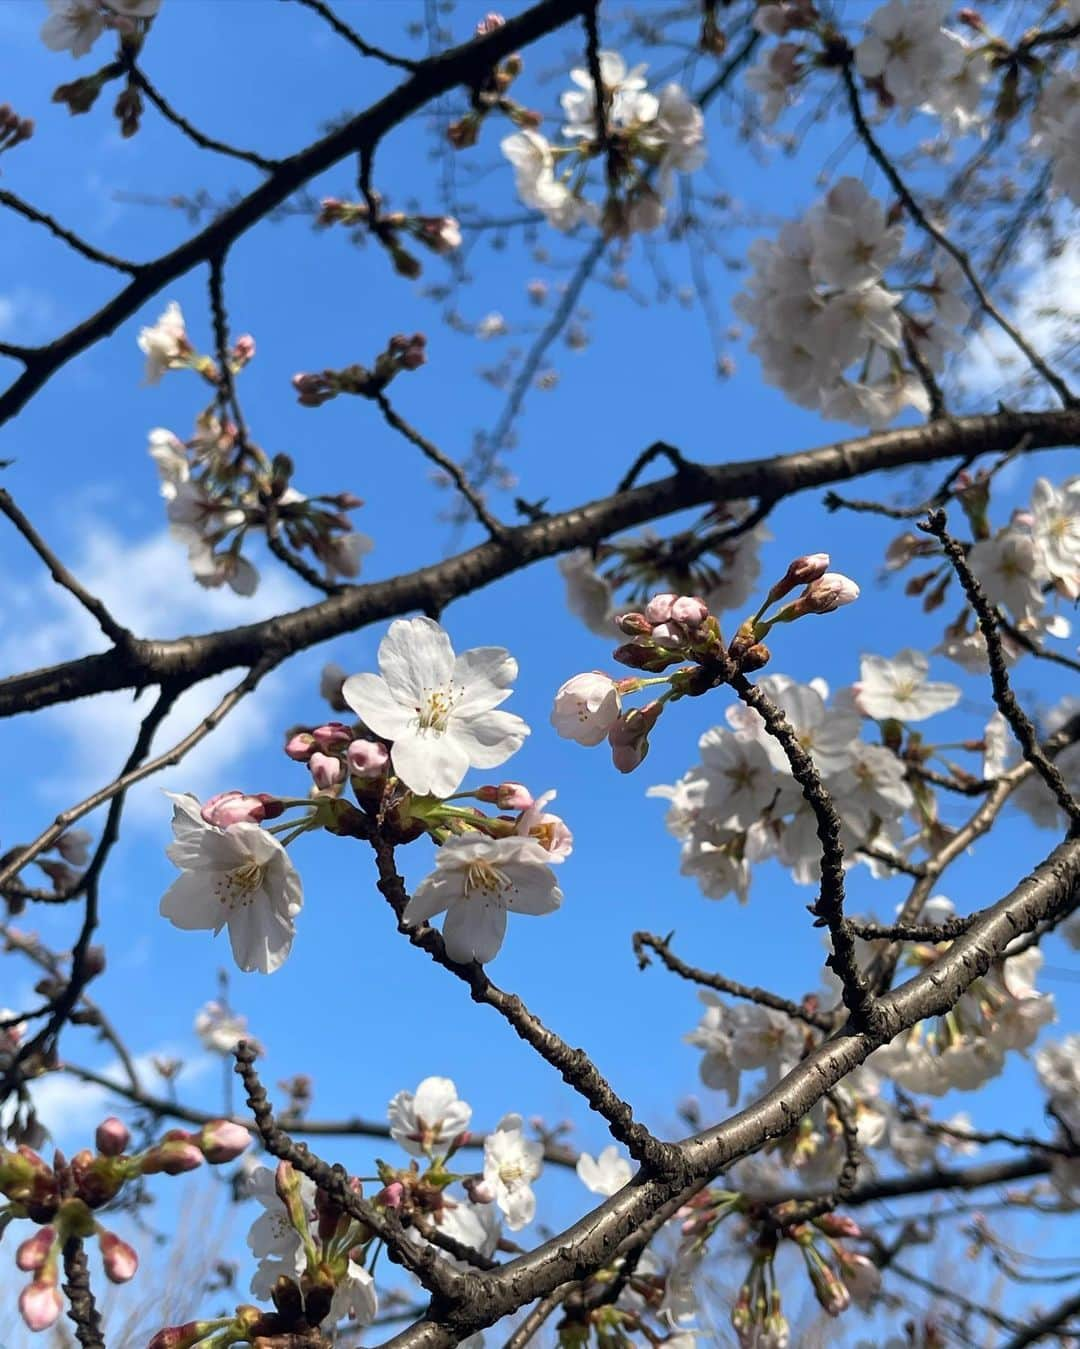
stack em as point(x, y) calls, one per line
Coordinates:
point(488, 738)
point(474, 930)
point(189, 904)
point(431, 764)
point(486, 672)
point(434, 894)
point(415, 655)
point(370, 698)
point(535, 889)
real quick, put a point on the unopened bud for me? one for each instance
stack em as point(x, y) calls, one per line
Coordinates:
point(830, 591)
point(489, 24)
point(34, 1251)
point(223, 1141)
point(112, 1137)
point(332, 735)
point(629, 737)
point(326, 770)
point(367, 759)
point(300, 746)
point(172, 1158)
point(39, 1305)
point(119, 1260)
point(658, 609)
point(690, 611)
point(236, 807)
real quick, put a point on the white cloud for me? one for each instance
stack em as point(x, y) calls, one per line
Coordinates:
point(27, 315)
point(146, 586)
point(1043, 310)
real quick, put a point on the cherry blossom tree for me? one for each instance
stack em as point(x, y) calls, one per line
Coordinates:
point(956, 166)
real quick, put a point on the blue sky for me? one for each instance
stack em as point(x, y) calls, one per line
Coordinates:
point(354, 1006)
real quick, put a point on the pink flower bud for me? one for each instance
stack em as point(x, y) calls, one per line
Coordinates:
point(39, 1305)
point(112, 1137)
point(34, 1251)
point(809, 567)
point(669, 635)
point(118, 1258)
point(244, 349)
point(326, 770)
point(300, 746)
point(629, 737)
point(507, 796)
point(332, 735)
point(223, 1141)
point(183, 1337)
point(658, 609)
point(828, 592)
point(172, 1157)
point(315, 389)
point(237, 808)
point(489, 24)
point(392, 1195)
point(367, 759)
point(690, 611)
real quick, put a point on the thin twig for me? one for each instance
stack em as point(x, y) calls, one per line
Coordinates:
point(116, 632)
point(1004, 698)
point(1052, 1323)
point(574, 1065)
point(761, 996)
point(453, 470)
point(885, 164)
point(353, 37)
point(193, 133)
point(72, 240)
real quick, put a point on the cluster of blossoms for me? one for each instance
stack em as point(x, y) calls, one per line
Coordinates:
point(965, 1049)
point(646, 139)
point(827, 329)
point(219, 486)
point(1055, 129)
point(1026, 568)
point(717, 559)
point(61, 1200)
point(425, 720)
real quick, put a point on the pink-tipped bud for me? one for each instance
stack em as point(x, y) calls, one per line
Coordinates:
point(34, 1251)
point(326, 770)
point(120, 1260)
point(223, 1141)
point(392, 1196)
point(173, 1158)
point(367, 759)
point(235, 807)
point(300, 746)
point(489, 24)
point(629, 737)
point(39, 1305)
point(838, 1225)
point(809, 567)
point(183, 1337)
point(690, 611)
point(332, 735)
point(315, 389)
point(658, 609)
point(244, 349)
point(112, 1137)
point(507, 796)
point(828, 592)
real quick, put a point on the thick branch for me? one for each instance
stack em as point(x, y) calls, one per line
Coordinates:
point(432, 588)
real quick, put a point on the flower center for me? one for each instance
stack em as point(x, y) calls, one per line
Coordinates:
point(235, 888)
point(482, 876)
point(434, 713)
point(511, 1172)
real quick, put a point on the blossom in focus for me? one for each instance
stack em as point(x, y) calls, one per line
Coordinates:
point(511, 1163)
point(240, 877)
point(477, 881)
point(899, 688)
point(438, 709)
point(586, 708)
point(427, 1121)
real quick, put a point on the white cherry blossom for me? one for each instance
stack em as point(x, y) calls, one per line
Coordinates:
point(1010, 571)
point(898, 688)
point(604, 1174)
point(853, 241)
point(73, 25)
point(477, 881)
point(428, 1120)
point(219, 1029)
point(240, 877)
point(511, 1163)
point(628, 100)
point(165, 345)
point(438, 709)
point(586, 708)
point(588, 595)
point(475, 1225)
point(741, 777)
point(1055, 527)
point(908, 50)
point(712, 1034)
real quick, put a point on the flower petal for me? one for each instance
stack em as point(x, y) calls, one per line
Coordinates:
point(488, 738)
point(415, 655)
point(370, 698)
point(431, 764)
point(474, 930)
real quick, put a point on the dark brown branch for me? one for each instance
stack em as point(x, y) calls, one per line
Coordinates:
point(573, 1065)
point(81, 1308)
point(432, 588)
point(453, 471)
point(193, 133)
point(661, 946)
point(437, 75)
point(72, 240)
point(436, 1275)
point(888, 168)
point(1054, 1322)
point(828, 908)
point(116, 632)
point(1004, 698)
point(931, 932)
point(354, 39)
